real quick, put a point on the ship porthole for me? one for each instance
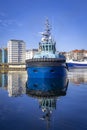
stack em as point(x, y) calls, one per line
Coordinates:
point(35, 71)
point(52, 71)
point(35, 85)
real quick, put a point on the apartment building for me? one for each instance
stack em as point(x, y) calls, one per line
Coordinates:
point(16, 51)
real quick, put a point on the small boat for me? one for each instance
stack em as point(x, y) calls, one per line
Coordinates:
point(47, 62)
point(76, 64)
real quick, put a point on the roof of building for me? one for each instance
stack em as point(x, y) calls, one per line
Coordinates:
point(16, 40)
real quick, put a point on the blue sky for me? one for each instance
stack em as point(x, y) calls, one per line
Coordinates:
point(24, 19)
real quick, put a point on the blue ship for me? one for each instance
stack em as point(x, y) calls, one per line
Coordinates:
point(47, 62)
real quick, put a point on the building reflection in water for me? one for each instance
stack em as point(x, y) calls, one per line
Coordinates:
point(47, 91)
point(16, 83)
point(3, 81)
point(78, 76)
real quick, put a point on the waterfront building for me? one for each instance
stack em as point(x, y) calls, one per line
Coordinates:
point(16, 51)
point(85, 54)
point(0, 55)
point(76, 55)
point(4, 55)
point(31, 53)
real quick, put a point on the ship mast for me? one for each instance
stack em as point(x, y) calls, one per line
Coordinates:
point(47, 34)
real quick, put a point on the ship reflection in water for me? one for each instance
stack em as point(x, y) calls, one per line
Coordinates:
point(37, 104)
point(47, 91)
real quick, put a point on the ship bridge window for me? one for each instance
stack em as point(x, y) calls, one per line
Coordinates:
point(40, 47)
point(35, 70)
point(52, 71)
point(52, 47)
point(49, 47)
point(46, 48)
point(43, 48)
point(35, 85)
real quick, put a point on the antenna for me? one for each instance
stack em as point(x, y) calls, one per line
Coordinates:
point(46, 34)
point(47, 26)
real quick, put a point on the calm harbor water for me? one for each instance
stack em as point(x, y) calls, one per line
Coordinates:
point(38, 104)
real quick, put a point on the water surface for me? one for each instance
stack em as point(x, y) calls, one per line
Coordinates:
point(43, 104)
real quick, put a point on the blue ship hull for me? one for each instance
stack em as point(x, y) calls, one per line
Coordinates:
point(47, 72)
point(76, 65)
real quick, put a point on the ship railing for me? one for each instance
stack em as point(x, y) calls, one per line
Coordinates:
point(46, 60)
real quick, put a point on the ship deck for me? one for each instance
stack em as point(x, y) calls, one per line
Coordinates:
point(45, 62)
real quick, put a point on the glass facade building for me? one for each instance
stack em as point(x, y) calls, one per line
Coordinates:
point(0, 55)
point(3, 55)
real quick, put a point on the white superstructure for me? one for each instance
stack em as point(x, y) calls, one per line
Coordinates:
point(47, 45)
point(16, 51)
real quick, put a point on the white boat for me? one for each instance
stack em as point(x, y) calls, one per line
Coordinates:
point(77, 64)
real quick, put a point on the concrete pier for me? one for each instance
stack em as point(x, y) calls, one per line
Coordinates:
point(5, 67)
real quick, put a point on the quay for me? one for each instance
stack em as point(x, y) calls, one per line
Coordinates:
point(5, 67)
